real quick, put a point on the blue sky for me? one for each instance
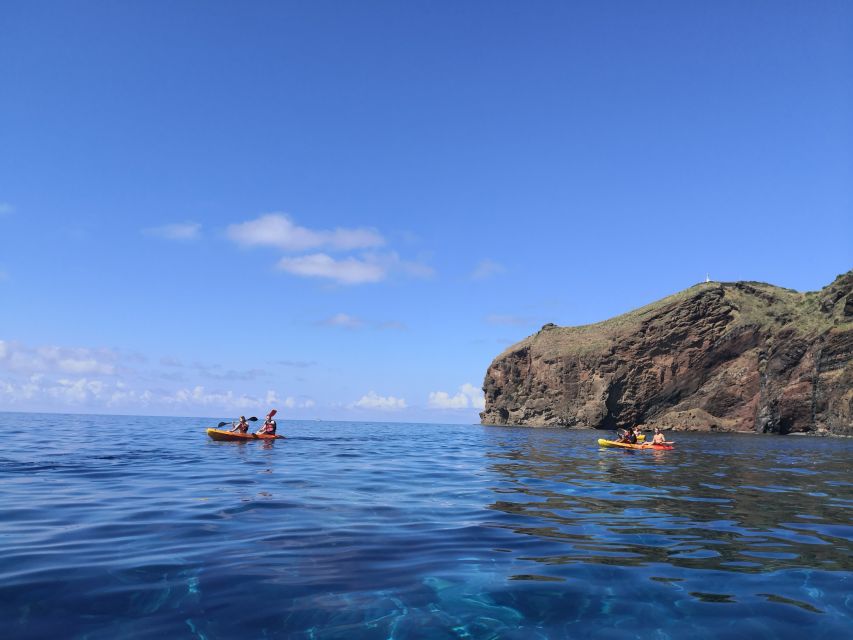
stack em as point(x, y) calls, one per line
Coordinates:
point(346, 210)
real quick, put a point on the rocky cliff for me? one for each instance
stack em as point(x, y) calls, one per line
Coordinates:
point(740, 356)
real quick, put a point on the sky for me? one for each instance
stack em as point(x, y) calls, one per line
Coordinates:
point(346, 210)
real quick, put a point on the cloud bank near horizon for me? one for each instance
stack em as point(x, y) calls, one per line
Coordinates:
point(79, 378)
point(105, 380)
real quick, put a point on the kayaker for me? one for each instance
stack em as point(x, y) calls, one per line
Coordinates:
point(629, 437)
point(242, 426)
point(659, 439)
point(269, 426)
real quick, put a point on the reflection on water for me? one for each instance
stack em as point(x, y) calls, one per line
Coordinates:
point(697, 508)
point(142, 527)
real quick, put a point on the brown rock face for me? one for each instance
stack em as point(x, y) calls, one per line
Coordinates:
point(742, 356)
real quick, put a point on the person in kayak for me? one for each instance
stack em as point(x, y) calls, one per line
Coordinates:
point(242, 426)
point(629, 437)
point(659, 439)
point(269, 426)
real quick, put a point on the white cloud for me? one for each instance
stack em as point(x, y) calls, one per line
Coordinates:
point(384, 403)
point(179, 231)
point(53, 378)
point(39, 391)
point(468, 397)
point(346, 271)
point(85, 365)
point(486, 269)
point(77, 391)
point(6, 208)
point(228, 400)
point(279, 230)
point(51, 359)
point(343, 320)
point(25, 390)
point(368, 268)
point(443, 400)
point(120, 397)
point(66, 391)
point(475, 394)
point(296, 403)
point(198, 396)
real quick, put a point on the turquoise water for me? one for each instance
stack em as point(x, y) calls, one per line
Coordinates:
point(125, 527)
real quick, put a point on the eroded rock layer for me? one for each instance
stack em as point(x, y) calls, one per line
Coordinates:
point(742, 356)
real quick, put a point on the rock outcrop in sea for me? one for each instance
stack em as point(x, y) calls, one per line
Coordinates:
point(731, 356)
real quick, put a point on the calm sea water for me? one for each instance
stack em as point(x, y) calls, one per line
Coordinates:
point(125, 527)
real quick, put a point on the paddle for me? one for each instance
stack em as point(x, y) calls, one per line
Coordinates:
point(222, 424)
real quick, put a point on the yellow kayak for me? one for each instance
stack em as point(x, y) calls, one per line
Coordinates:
point(233, 436)
point(625, 445)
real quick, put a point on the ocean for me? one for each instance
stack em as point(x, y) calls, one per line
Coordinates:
point(143, 527)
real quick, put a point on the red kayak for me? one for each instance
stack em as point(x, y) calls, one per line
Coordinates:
point(625, 445)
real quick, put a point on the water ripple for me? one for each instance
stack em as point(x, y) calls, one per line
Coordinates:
point(361, 530)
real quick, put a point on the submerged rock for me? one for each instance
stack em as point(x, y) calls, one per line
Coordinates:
point(739, 356)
